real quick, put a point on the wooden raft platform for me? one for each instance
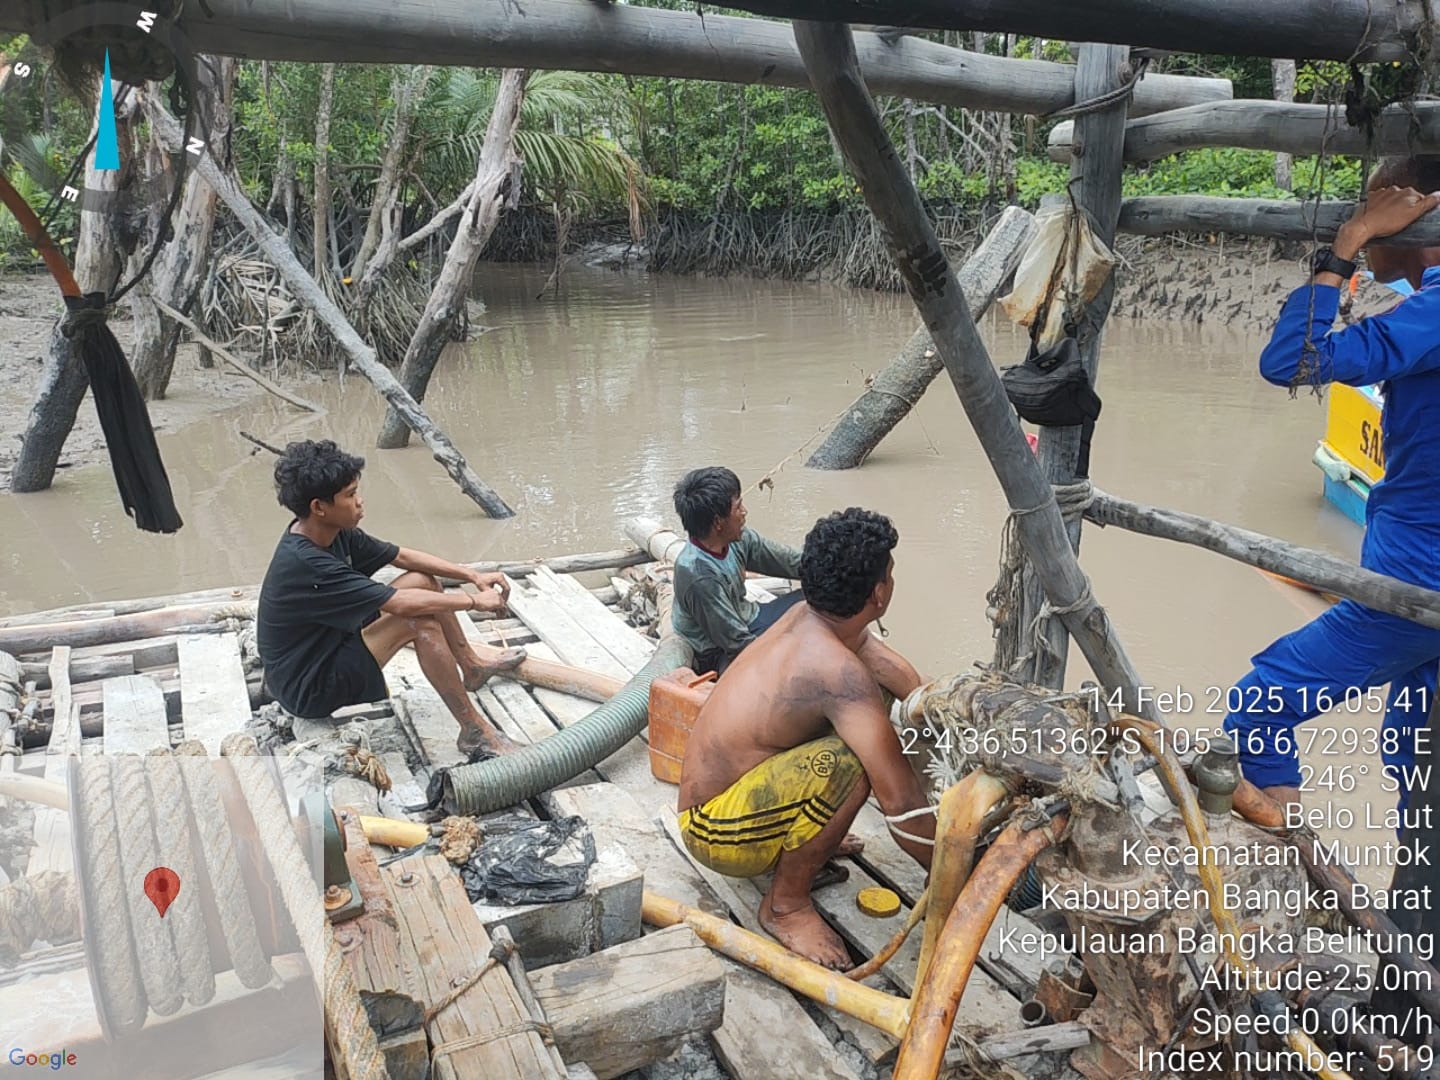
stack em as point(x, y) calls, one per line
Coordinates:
point(153, 691)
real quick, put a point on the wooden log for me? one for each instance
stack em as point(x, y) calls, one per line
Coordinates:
point(1095, 180)
point(135, 719)
point(86, 669)
point(830, 58)
point(278, 252)
point(1070, 1035)
point(52, 827)
point(493, 173)
point(1315, 568)
point(897, 389)
point(657, 990)
point(1159, 215)
point(214, 701)
point(485, 1032)
point(1298, 29)
point(25, 639)
point(1284, 127)
point(577, 35)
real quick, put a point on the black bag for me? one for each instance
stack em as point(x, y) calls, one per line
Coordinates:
point(1051, 388)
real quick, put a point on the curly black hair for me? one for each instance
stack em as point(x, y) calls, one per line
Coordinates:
point(703, 496)
point(313, 470)
point(846, 555)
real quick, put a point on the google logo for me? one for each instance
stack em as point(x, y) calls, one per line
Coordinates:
point(49, 1061)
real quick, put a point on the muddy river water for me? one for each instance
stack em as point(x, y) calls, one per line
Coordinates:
point(584, 408)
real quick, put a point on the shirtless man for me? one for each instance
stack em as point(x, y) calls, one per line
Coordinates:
point(794, 738)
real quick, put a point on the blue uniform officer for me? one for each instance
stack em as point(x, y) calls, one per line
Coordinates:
point(1351, 649)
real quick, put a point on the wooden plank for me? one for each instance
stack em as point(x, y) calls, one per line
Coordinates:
point(747, 1046)
point(558, 629)
point(52, 827)
point(135, 719)
point(430, 725)
point(442, 947)
point(656, 990)
point(372, 949)
point(214, 701)
point(621, 640)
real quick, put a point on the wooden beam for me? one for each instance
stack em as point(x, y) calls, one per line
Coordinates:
point(897, 389)
point(580, 35)
point(214, 701)
point(135, 718)
point(1297, 29)
point(1316, 568)
point(1095, 177)
point(1283, 127)
point(911, 240)
point(1161, 214)
point(634, 1004)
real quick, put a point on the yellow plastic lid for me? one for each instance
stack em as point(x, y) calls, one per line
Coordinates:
point(878, 902)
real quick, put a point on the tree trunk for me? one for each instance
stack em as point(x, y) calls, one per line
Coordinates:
point(477, 222)
point(307, 292)
point(63, 382)
point(408, 89)
point(1283, 72)
point(180, 269)
point(581, 35)
point(830, 60)
point(897, 389)
point(320, 260)
point(1098, 171)
point(1284, 220)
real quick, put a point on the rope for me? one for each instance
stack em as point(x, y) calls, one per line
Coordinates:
point(118, 985)
point(154, 947)
point(238, 921)
point(352, 1038)
point(892, 823)
point(186, 916)
point(524, 1027)
point(1006, 598)
point(1105, 100)
point(44, 907)
point(459, 838)
point(459, 991)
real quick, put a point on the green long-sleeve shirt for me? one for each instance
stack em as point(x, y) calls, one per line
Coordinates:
point(711, 611)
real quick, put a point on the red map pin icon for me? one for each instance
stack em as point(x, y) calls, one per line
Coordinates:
point(161, 886)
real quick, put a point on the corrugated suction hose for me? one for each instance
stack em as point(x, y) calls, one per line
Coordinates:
point(512, 778)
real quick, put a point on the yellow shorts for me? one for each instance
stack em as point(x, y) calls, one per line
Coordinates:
point(779, 805)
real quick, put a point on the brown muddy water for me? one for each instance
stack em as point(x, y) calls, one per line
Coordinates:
point(583, 409)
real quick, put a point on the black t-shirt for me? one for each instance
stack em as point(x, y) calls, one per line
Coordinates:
point(313, 605)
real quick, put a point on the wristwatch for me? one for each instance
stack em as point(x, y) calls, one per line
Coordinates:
point(1327, 262)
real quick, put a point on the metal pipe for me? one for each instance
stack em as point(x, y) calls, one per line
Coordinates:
point(884, 1011)
point(1033, 1013)
point(922, 1051)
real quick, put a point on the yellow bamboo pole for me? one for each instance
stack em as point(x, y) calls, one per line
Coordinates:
point(884, 1011)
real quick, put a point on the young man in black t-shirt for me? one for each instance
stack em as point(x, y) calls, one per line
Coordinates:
point(325, 628)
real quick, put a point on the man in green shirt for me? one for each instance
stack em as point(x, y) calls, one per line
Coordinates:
point(711, 610)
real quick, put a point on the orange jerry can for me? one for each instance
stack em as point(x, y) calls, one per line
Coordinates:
point(675, 700)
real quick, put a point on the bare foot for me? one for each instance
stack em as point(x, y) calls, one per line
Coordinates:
point(479, 738)
point(805, 933)
point(851, 845)
point(504, 660)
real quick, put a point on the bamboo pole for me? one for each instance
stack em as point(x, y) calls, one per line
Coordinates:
point(1096, 178)
point(277, 251)
point(830, 58)
point(884, 1011)
point(1315, 568)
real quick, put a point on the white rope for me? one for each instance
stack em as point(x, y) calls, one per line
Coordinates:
point(892, 823)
